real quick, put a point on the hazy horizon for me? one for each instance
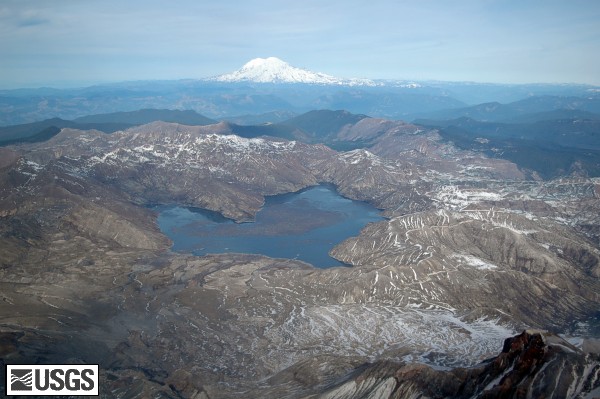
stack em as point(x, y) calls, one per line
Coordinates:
point(67, 43)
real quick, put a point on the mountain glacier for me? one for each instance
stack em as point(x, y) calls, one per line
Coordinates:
point(274, 70)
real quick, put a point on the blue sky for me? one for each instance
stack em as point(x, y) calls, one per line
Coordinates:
point(79, 42)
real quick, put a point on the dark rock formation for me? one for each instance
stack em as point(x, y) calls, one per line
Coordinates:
point(532, 364)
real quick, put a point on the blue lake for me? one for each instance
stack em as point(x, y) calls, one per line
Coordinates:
point(304, 225)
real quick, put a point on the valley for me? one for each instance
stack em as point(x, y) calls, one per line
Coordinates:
point(472, 250)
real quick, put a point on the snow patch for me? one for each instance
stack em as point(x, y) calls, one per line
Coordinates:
point(456, 198)
point(474, 261)
point(357, 156)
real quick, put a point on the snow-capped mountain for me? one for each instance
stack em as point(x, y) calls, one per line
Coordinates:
point(274, 70)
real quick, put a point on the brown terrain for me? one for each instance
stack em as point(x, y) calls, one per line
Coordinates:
point(473, 251)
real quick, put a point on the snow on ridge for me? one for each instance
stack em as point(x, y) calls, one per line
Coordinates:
point(358, 155)
point(456, 198)
point(242, 143)
point(187, 147)
point(274, 70)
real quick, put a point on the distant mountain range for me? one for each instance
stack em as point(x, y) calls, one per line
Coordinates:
point(528, 109)
point(550, 129)
point(552, 143)
point(107, 123)
point(319, 126)
point(552, 135)
point(271, 90)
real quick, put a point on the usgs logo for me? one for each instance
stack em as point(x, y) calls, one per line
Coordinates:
point(56, 379)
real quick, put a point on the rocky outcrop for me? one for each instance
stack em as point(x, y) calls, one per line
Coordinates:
point(532, 364)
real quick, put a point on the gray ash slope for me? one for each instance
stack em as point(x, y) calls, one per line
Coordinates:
point(473, 251)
